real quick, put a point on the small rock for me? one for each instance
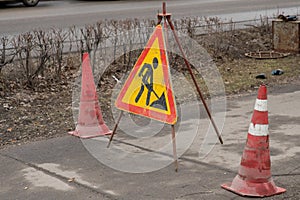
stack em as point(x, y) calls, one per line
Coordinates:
point(261, 76)
point(71, 180)
point(5, 105)
point(277, 72)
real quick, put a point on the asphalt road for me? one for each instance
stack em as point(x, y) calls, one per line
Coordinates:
point(16, 18)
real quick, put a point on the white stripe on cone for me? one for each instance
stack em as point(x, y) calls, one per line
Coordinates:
point(261, 105)
point(258, 129)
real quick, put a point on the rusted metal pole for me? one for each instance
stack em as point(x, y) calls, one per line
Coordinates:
point(164, 8)
point(194, 80)
point(174, 148)
point(115, 128)
point(168, 17)
point(162, 17)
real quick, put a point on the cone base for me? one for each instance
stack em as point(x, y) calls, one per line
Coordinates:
point(90, 132)
point(77, 134)
point(246, 188)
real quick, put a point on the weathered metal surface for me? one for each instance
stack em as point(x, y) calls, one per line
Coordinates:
point(266, 55)
point(286, 36)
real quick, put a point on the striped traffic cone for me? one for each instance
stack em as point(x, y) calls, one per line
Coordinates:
point(254, 175)
point(90, 121)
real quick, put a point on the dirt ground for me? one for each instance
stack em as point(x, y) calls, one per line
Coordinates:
point(28, 114)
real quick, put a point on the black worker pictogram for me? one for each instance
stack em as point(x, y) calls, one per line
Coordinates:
point(146, 73)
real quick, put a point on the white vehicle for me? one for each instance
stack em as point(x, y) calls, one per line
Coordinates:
point(28, 3)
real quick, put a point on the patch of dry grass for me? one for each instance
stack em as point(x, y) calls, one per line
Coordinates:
point(239, 75)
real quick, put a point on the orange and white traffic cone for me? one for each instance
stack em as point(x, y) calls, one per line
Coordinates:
point(90, 121)
point(254, 175)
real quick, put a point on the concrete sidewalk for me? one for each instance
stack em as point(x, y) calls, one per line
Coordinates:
point(62, 168)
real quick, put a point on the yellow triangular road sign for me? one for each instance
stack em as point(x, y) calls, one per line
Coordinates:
point(148, 89)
